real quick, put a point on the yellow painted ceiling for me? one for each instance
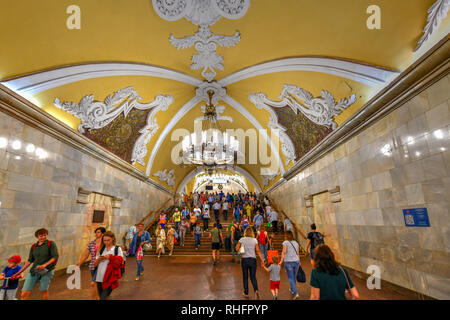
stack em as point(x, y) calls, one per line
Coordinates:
point(35, 38)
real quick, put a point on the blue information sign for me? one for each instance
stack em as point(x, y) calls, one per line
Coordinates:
point(417, 217)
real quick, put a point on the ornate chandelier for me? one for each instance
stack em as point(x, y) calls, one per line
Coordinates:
point(210, 148)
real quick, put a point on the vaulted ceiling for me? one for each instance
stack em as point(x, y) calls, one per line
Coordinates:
point(280, 60)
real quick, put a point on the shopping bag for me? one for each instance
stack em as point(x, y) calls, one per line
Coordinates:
point(270, 254)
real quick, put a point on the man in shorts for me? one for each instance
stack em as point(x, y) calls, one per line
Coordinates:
point(43, 256)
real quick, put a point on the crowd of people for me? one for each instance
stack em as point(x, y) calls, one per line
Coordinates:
point(250, 237)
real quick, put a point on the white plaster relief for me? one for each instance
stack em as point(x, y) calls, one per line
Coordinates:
point(96, 114)
point(203, 13)
point(320, 110)
point(268, 176)
point(166, 176)
point(436, 13)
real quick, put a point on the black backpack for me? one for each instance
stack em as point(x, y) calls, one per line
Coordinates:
point(116, 252)
point(237, 233)
point(318, 239)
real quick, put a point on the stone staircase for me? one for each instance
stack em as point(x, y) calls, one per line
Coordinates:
point(205, 243)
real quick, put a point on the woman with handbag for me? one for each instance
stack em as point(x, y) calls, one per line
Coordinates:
point(329, 281)
point(141, 241)
point(291, 258)
point(248, 248)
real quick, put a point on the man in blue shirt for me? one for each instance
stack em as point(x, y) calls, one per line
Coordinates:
point(258, 220)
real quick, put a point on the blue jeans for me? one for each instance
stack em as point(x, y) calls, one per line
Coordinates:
point(177, 224)
point(263, 248)
point(140, 267)
point(291, 271)
point(197, 239)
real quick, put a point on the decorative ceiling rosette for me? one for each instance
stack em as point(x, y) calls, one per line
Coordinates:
point(203, 13)
point(97, 115)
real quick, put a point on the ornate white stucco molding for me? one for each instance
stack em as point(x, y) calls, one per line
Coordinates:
point(320, 110)
point(166, 176)
point(96, 114)
point(436, 13)
point(287, 147)
point(203, 13)
point(269, 176)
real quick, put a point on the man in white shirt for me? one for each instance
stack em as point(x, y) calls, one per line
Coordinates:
point(225, 209)
point(197, 212)
point(273, 218)
point(216, 207)
point(130, 234)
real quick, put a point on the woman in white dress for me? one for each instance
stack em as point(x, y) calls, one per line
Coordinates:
point(160, 240)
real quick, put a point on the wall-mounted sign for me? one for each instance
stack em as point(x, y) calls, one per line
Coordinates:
point(417, 217)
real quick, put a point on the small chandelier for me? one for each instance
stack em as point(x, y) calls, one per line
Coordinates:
point(210, 148)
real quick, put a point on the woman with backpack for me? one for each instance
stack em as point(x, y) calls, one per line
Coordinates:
point(263, 241)
point(140, 238)
point(291, 258)
point(109, 264)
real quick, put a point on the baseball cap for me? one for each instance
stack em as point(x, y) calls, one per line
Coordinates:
point(15, 259)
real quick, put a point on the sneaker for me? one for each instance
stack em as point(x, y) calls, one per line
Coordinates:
point(292, 292)
point(137, 278)
point(296, 297)
point(245, 295)
point(275, 298)
point(257, 295)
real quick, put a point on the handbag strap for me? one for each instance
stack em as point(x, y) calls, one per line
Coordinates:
point(346, 279)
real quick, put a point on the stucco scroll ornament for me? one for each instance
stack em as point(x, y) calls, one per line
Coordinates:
point(268, 176)
point(97, 114)
point(203, 13)
point(436, 13)
point(320, 110)
point(166, 176)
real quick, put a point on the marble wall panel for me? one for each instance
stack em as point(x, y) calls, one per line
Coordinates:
point(36, 193)
point(377, 186)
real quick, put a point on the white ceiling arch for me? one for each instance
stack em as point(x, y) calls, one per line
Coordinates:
point(231, 181)
point(364, 73)
point(192, 103)
point(237, 169)
point(56, 77)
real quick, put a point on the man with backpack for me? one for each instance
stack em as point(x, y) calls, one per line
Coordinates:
point(314, 239)
point(236, 235)
point(43, 256)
